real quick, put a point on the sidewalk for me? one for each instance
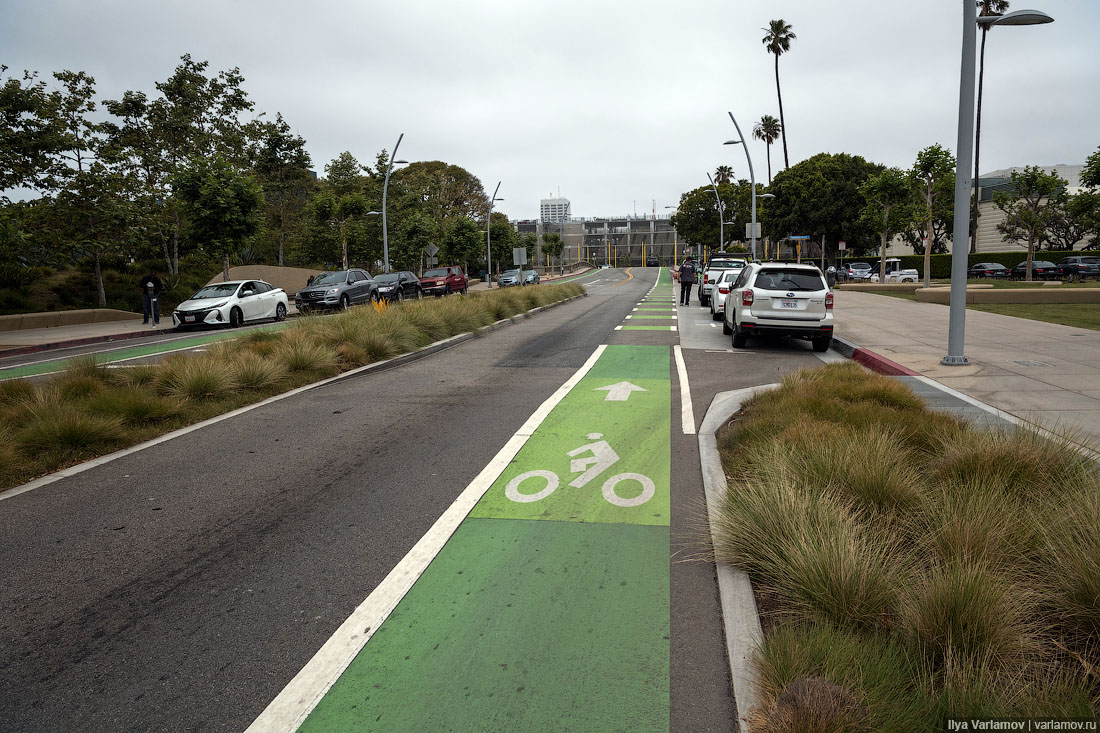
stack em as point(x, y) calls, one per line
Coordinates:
point(1040, 372)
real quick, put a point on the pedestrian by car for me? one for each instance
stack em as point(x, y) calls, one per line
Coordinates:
point(150, 295)
point(687, 279)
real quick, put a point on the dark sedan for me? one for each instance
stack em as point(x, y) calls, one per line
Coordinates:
point(1040, 270)
point(395, 286)
point(988, 269)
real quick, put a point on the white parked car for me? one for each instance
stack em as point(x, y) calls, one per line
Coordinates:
point(232, 304)
point(773, 298)
point(718, 263)
point(721, 290)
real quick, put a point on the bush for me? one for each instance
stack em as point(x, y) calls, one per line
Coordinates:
point(195, 378)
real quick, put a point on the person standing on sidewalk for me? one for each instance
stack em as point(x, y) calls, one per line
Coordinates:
point(687, 279)
point(150, 293)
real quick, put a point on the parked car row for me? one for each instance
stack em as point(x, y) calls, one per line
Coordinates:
point(1078, 267)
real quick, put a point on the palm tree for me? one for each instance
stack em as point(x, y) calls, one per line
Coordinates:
point(778, 42)
point(985, 7)
point(723, 174)
point(767, 129)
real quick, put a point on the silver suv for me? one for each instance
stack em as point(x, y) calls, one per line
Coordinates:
point(339, 289)
point(775, 298)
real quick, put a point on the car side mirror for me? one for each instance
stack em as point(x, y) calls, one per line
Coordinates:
point(246, 293)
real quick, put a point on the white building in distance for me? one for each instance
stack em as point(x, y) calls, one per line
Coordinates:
point(554, 210)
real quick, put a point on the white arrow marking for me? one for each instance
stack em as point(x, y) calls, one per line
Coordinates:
point(620, 392)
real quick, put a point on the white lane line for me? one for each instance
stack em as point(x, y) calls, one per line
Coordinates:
point(687, 414)
point(297, 700)
point(618, 328)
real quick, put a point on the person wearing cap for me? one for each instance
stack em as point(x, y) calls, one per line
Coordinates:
point(687, 279)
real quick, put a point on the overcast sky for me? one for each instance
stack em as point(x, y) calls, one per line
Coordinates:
point(619, 105)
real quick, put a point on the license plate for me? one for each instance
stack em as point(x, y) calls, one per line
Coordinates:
point(189, 318)
point(788, 304)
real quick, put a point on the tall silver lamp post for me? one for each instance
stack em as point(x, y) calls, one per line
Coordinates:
point(752, 178)
point(721, 215)
point(489, 236)
point(964, 167)
point(385, 189)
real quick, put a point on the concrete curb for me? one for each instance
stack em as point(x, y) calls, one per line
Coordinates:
point(377, 366)
point(871, 360)
point(740, 617)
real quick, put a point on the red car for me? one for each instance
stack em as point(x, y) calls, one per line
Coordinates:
point(444, 281)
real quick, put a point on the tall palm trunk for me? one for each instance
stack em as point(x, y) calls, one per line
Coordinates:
point(977, 147)
point(769, 148)
point(782, 120)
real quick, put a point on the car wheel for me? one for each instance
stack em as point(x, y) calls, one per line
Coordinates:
point(726, 327)
point(714, 315)
point(739, 340)
point(446, 289)
point(466, 290)
point(280, 312)
point(822, 345)
point(419, 293)
point(236, 318)
point(345, 303)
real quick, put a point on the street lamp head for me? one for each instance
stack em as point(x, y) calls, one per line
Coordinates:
point(400, 162)
point(374, 213)
point(732, 142)
point(766, 196)
point(1016, 17)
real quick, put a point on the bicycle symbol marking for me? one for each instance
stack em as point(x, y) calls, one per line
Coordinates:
point(602, 457)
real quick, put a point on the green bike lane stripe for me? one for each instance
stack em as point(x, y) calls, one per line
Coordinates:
point(549, 606)
point(125, 353)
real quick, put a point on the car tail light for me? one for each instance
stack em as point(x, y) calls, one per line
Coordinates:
point(746, 297)
point(724, 289)
point(828, 301)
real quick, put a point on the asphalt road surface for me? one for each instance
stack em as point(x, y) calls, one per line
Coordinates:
point(181, 587)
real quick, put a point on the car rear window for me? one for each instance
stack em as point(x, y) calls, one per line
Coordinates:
point(789, 279)
point(725, 264)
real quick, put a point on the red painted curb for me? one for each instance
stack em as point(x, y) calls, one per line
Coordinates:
point(20, 350)
point(881, 364)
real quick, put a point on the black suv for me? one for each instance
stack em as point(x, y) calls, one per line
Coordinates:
point(1080, 267)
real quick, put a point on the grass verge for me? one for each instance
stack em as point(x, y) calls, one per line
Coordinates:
point(912, 568)
point(89, 410)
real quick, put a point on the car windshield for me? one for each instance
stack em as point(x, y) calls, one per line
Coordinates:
point(219, 290)
point(329, 278)
point(725, 264)
point(511, 273)
point(437, 272)
point(789, 280)
point(388, 277)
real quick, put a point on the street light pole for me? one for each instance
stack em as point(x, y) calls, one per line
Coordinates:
point(721, 215)
point(385, 189)
point(752, 178)
point(489, 236)
point(964, 165)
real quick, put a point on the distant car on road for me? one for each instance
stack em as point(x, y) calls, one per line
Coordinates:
point(652, 262)
point(858, 271)
point(339, 289)
point(510, 279)
point(1040, 270)
point(530, 277)
point(772, 298)
point(232, 304)
point(987, 269)
point(396, 286)
point(444, 281)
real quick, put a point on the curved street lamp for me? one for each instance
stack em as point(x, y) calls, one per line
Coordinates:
point(721, 214)
point(964, 166)
point(752, 178)
point(385, 188)
point(489, 236)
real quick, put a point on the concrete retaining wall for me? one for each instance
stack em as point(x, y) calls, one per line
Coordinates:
point(1012, 295)
point(49, 319)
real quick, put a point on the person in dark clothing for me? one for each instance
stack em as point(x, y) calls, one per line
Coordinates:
point(150, 293)
point(687, 279)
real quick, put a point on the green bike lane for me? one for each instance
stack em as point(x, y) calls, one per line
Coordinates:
point(548, 608)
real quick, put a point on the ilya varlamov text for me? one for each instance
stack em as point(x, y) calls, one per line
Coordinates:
point(1026, 724)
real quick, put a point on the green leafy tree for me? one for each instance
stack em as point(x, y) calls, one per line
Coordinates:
point(462, 241)
point(414, 234)
point(1028, 207)
point(553, 245)
point(529, 242)
point(344, 175)
point(821, 196)
point(338, 213)
point(932, 180)
point(1073, 219)
point(696, 218)
point(439, 190)
point(778, 42)
point(222, 204)
point(504, 239)
point(985, 7)
point(1090, 175)
point(768, 130)
point(889, 200)
point(29, 133)
point(281, 164)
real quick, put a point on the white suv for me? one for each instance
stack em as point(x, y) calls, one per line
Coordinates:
point(718, 263)
point(779, 299)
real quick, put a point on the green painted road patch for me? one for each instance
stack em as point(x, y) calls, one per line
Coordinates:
point(548, 608)
point(648, 328)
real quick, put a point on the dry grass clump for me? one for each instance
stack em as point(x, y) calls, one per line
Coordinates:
point(135, 405)
point(254, 372)
point(973, 553)
point(464, 314)
point(428, 319)
point(195, 378)
point(135, 375)
point(65, 431)
point(299, 353)
point(14, 391)
point(10, 458)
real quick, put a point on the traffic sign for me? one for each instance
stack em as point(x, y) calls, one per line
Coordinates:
point(799, 236)
point(842, 245)
point(519, 255)
point(432, 250)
